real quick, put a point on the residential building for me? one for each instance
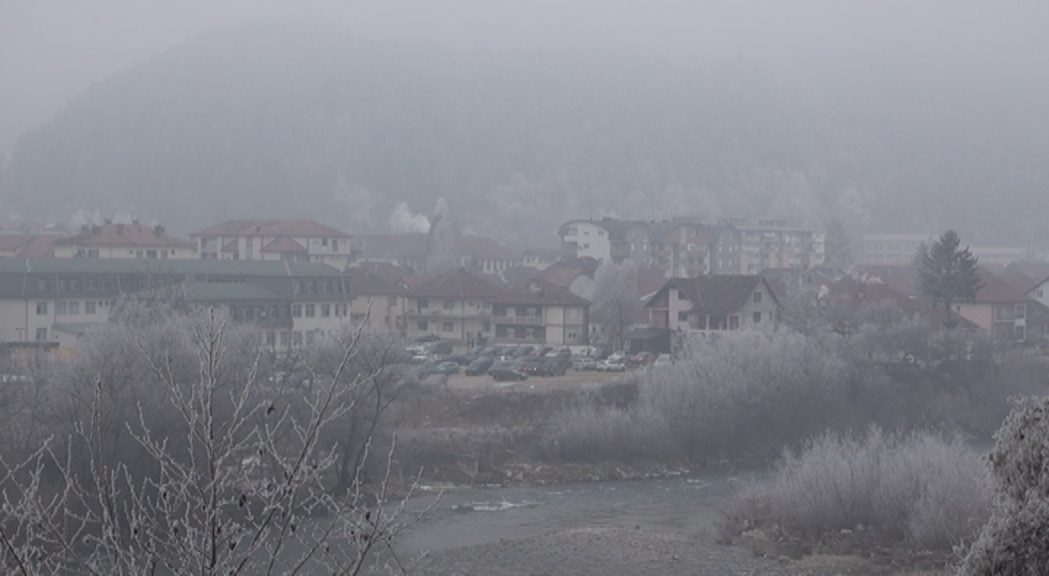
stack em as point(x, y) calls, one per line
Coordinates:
point(777, 244)
point(893, 249)
point(714, 304)
point(999, 309)
point(288, 240)
point(126, 241)
point(465, 308)
point(378, 298)
point(603, 240)
point(684, 247)
point(540, 312)
point(51, 300)
point(455, 305)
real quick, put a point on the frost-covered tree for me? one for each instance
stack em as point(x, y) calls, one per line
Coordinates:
point(616, 302)
point(1015, 541)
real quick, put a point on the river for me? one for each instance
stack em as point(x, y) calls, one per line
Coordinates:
point(470, 516)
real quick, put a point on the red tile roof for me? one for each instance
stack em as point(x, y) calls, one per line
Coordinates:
point(272, 228)
point(124, 235)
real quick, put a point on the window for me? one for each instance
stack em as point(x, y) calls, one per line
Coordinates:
point(328, 289)
point(1020, 311)
point(249, 314)
point(311, 310)
point(423, 304)
point(271, 339)
point(89, 307)
point(74, 307)
point(757, 317)
point(449, 304)
point(310, 336)
point(757, 297)
point(423, 326)
point(313, 287)
point(296, 338)
point(284, 338)
point(41, 334)
point(60, 307)
point(447, 327)
point(1039, 294)
point(682, 316)
point(325, 310)
point(296, 310)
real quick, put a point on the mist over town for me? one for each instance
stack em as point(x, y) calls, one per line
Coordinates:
point(478, 287)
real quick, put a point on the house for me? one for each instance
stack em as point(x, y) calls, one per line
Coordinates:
point(288, 240)
point(714, 304)
point(462, 307)
point(455, 305)
point(378, 297)
point(49, 300)
point(539, 312)
point(603, 240)
point(124, 241)
point(999, 309)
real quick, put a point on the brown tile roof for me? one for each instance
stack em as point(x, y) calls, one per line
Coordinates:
point(855, 293)
point(124, 235)
point(369, 282)
point(1016, 278)
point(41, 246)
point(284, 245)
point(392, 273)
point(997, 291)
point(272, 228)
point(456, 284)
point(539, 291)
point(719, 294)
point(28, 245)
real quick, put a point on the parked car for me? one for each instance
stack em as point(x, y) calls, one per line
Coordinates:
point(446, 368)
point(553, 367)
point(608, 366)
point(479, 366)
point(502, 372)
point(584, 363)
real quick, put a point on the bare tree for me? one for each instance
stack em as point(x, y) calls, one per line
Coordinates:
point(235, 481)
point(616, 301)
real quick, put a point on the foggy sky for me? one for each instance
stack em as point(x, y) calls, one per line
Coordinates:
point(52, 51)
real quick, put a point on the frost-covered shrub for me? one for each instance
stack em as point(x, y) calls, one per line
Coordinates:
point(917, 489)
point(1015, 540)
point(747, 393)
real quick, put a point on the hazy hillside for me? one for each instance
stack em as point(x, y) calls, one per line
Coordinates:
point(265, 122)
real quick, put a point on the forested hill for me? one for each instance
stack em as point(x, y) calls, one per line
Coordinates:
point(270, 122)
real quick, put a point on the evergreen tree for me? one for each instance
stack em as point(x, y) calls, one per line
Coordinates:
point(948, 273)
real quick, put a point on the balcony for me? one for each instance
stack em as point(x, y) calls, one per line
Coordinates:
point(519, 320)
